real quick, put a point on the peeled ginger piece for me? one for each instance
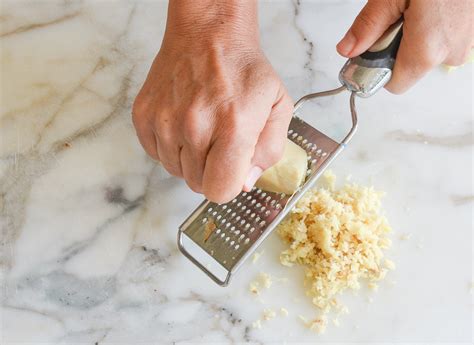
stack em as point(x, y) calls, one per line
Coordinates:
point(288, 174)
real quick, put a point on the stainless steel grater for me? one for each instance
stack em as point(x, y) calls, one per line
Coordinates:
point(219, 238)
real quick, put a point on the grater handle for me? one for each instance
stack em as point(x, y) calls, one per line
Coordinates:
point(370, 71)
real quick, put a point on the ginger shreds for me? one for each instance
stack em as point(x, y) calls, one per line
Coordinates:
point(339, 235)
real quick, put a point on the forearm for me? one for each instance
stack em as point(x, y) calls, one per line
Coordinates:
point(210, 20)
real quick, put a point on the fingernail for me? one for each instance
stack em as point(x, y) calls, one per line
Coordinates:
point(347, 44)
point(252, 177)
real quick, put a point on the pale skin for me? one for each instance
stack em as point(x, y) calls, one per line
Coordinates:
point(214, 112)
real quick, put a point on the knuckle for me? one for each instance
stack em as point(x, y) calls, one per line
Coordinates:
point(238, 132)
point(426, 61)
point(192, 132)
point(194, 185)
point(365, 21)
point(171, 168)
point(164, 131)
point(138, 110)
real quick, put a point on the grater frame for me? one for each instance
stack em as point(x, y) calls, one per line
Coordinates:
point(197, 224)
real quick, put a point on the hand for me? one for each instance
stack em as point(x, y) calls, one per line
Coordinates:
point(213, 110)
point(434, 32)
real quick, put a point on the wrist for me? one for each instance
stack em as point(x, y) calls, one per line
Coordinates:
point(204, 23)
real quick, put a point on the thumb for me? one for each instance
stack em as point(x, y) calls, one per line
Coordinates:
point(370, 24)
point(271, 141)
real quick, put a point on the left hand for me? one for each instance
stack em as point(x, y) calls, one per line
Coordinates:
point(434, 32)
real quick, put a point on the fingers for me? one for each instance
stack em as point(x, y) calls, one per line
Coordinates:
point(192, 164)
point(145, 134)
point(271, 141)
point(417, 55)
point(169, 153)
point(227, 166)
point(370, 24)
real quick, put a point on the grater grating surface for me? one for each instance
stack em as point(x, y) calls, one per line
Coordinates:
point(218, 238)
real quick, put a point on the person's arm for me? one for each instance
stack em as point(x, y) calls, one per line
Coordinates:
point(434, 32)
point(212, 109)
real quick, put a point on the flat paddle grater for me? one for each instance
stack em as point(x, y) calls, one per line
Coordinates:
point(219, 238)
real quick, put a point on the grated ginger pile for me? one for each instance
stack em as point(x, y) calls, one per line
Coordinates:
point(340, 237)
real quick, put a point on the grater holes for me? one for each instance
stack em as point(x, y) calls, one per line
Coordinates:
point(237, 246)
point(249, 197)
point(234, 200)
point(294, 135)
point(239, 204)
point(253, 215)
point(237, 233)
point(319, 151)
point(219, 217)
point(238, 218)
point(247, 212)
point(253, 201)
point(262, 223)
point(244, 193)
point(304, 141)
point(273, 202)
point(324, 154)
point(227, 239)
point(204, 220)
point(258, 191)
point(224, 207)
point(229, 210)
point(308, 172)
point(244, 208)
point(252, 229)
point(232, 242)
point(214, 213)
point(247, 226)
point(313, 161)
point(247, 240)
point(268, 198)
point(209, 209)
point(290, 131)
point(262, 209)
point(218, 231)
point(299, 138)
point(267, 213)
point(241, 237)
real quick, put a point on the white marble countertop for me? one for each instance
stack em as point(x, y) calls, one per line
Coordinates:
point(89, 223)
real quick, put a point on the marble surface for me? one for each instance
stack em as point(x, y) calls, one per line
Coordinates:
point(88, 252)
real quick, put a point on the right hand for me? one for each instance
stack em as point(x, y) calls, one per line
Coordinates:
point(213, 111)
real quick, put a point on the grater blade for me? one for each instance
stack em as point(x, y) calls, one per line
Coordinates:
point(219, 238)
